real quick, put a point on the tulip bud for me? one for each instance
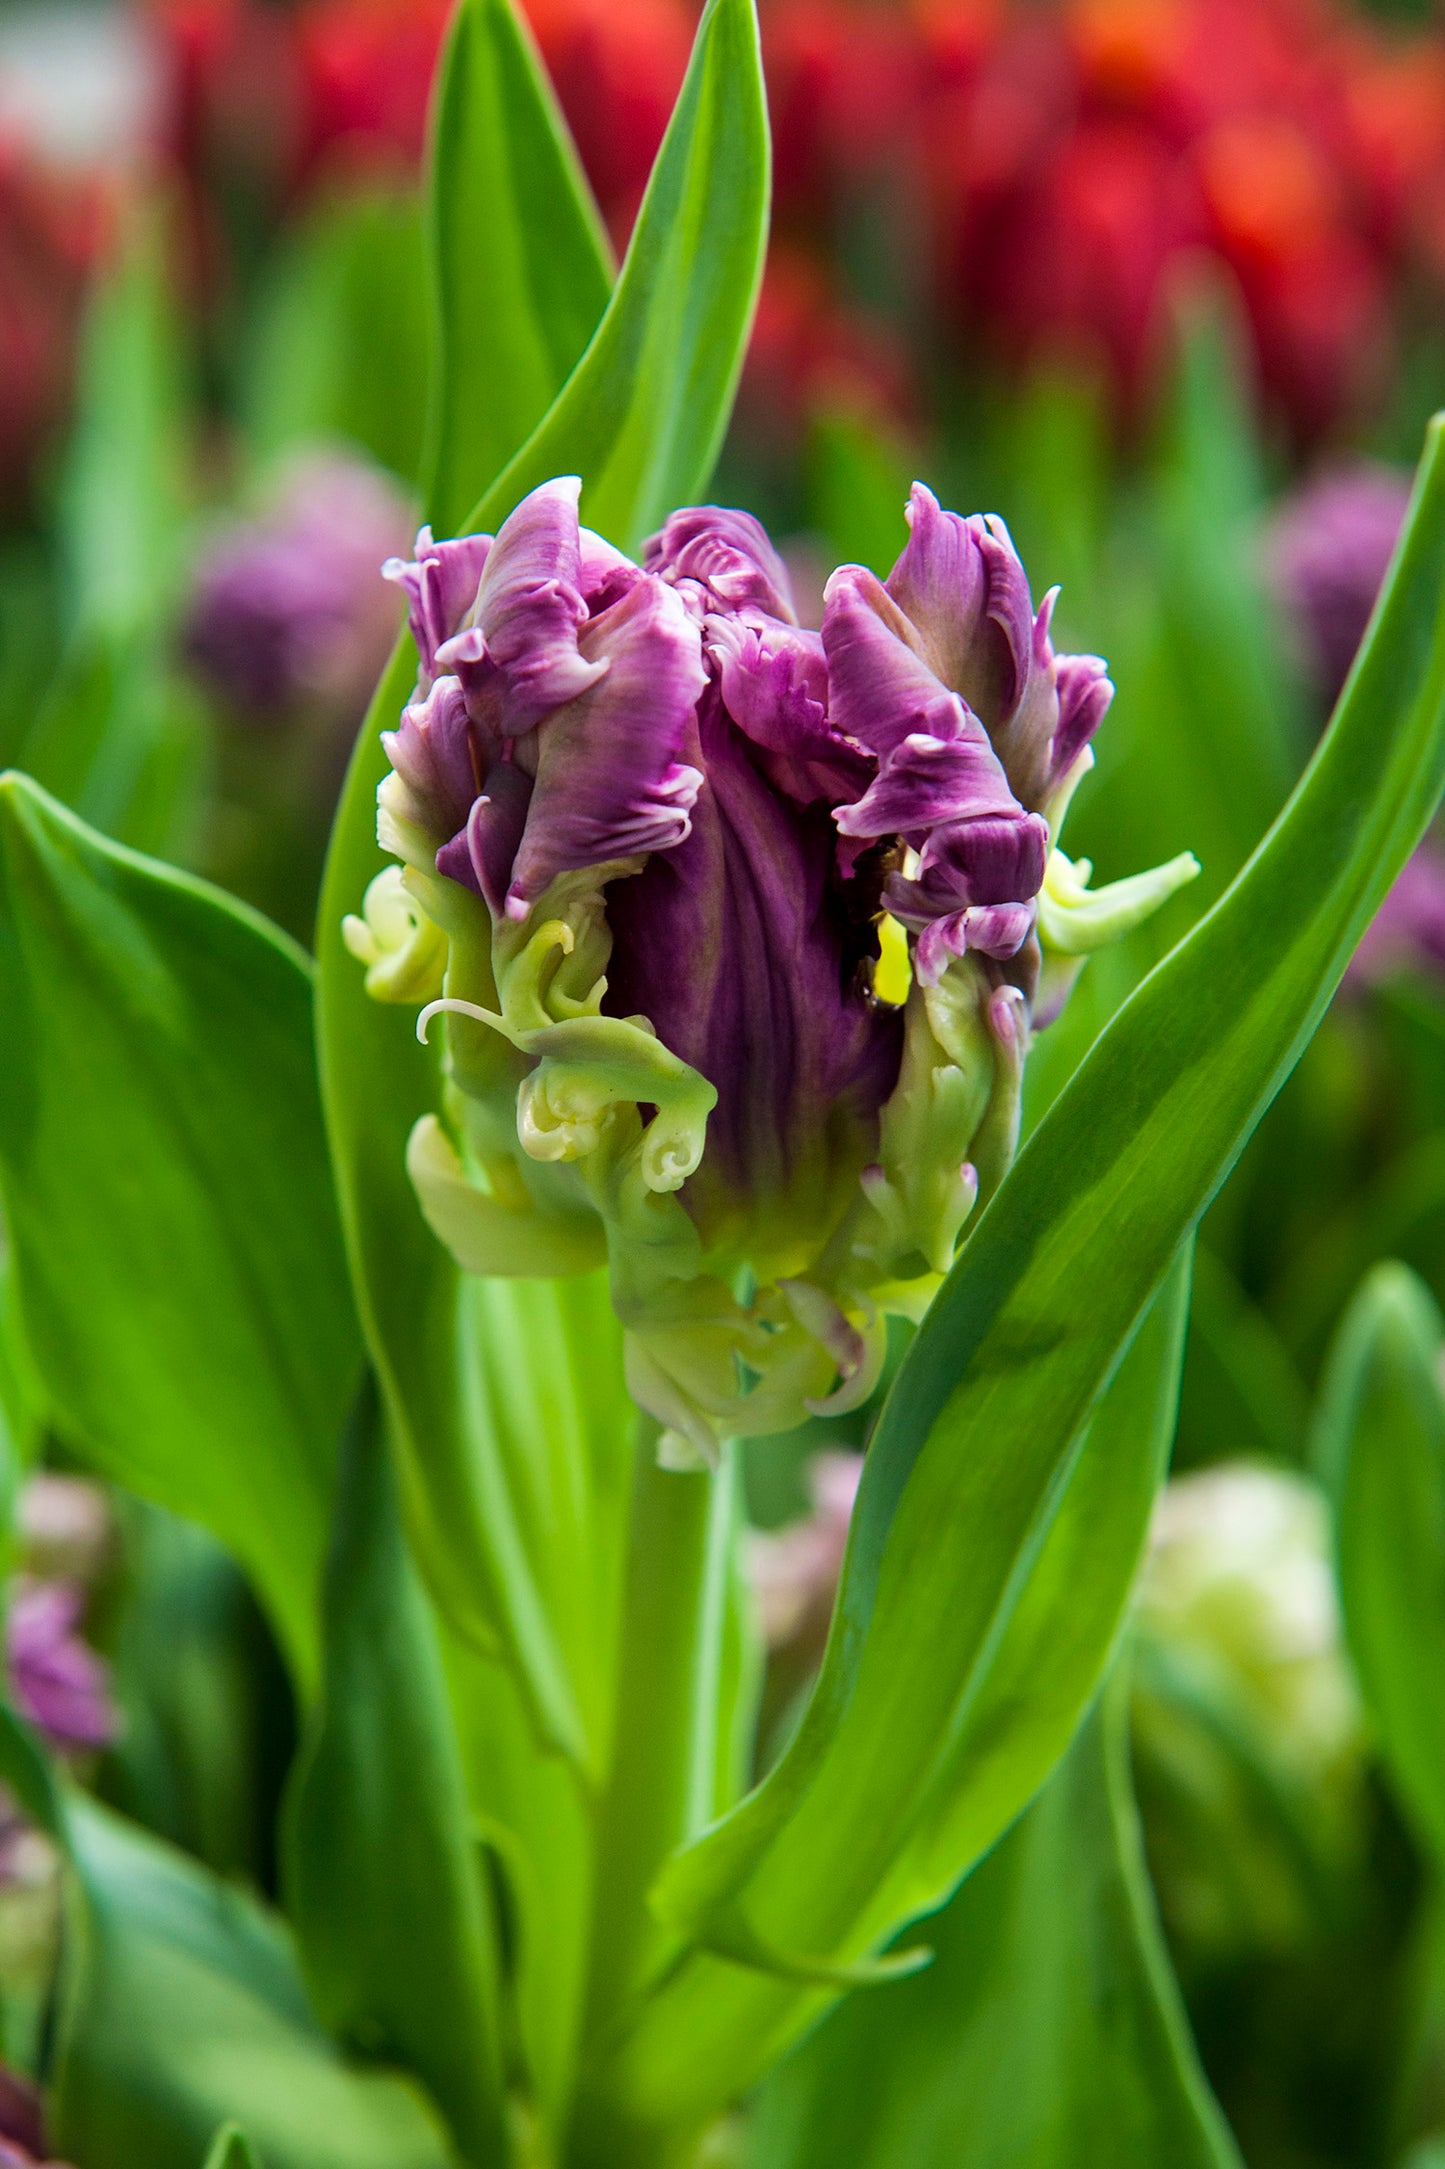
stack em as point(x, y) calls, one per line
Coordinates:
point(659, 834)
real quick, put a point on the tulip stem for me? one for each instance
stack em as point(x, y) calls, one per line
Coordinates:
point(669, 1768)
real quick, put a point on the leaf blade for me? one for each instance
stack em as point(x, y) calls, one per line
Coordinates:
point(642, 416)
point(1380, 1448)
point(1050, 2028)
point(1012, 1356)
point(521, 267)
point(179, 1270)
point(382, 1877)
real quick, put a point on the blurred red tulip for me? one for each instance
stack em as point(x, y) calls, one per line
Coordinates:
point(51, 231)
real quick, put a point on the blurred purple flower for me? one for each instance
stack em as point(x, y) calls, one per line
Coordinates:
point(1327, 549)
point(1408, 930)
point(55, 1680)
point(794, 1570)
point(22, 2124)
point(287, 616)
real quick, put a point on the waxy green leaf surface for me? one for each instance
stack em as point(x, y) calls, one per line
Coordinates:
point(521, 266)
point(979, 1430)
point(1049, 2030)
point(1380, 1448)
point(177, 1260)
point(384, 1882)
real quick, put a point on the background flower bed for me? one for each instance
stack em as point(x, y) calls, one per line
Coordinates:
point(1153, 279)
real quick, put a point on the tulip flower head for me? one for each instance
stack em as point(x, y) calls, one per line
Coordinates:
point(736, 926)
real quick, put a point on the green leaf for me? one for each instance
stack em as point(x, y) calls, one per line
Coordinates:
point(181, 2008)
point(1049, 2031)
point(640, 419)
point(342, 337)
point(521, 267)
point(486, 1511)
point(1380, 1449)
point(181, 1282)
point(1042, 1674)
point(980, 1429)
point(209, 1723)
point(231, 2149)
point(384, 1883)
point(642, 416)
point(534, 1815)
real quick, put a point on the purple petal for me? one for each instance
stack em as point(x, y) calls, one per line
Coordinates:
point(961, 585)
point(440, 588)
point(728, 555)
point(925, 781)
point(996, 930)
point(518, 659)
point(881, 690)
point(996, 860)
point(744, 950)
point(941, 584)
point(483, 854)
point(604, 573)
point(610, 777)
point(1024, 736)
point(1084, 696)
point(434, 753)
point(774, 682)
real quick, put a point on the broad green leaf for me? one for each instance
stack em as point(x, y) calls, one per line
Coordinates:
point(486, 1510)
point(640, 419)
point(118, 735)
point(1040, 1677)
point(181, 1283)
point(21, 1402)
point(181, 2007)
point(643, 413)
point(1380, 1448)
point(534, 1816)
point(521, 267)
point(341, 340)
point(1066, 1619)
point(231, 2149)
point(979, 1431)
point(209, 1719)
point(1048, 2033)
point(384, 1884)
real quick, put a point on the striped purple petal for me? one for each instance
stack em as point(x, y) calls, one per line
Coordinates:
point(611, 779)
point(440, 587)
point(517, 658)
point(725, 557)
